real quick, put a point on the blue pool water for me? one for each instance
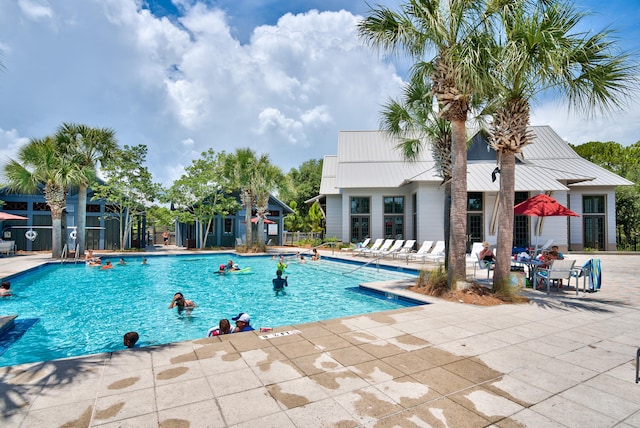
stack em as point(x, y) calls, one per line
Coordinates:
point(84, 310)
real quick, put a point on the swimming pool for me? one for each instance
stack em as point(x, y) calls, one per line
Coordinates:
point(84, 310)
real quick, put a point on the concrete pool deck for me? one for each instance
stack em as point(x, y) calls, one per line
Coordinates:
point(557, 361)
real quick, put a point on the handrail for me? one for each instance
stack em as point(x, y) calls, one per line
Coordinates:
point(77, 254)
point(376, 259)
point(64, 253)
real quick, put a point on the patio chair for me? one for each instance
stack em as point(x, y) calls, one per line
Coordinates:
point(362, 251)
point(424, 249)
point(560, 269)
point(436, 254)
point(7, 247)
point(384, 247)
point(483, 264)
point(472, 257)
point(394, 249)
point(590, 270)
point(406, 248)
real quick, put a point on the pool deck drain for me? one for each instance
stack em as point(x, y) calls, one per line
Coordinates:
point(559, 360)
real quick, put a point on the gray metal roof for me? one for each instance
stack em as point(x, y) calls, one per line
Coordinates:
point(329, 173)
point(369, 159)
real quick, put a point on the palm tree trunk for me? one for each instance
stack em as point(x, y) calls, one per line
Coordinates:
point(246, 197)
point(56, 233)
point(506, 199)
point(457, 245)
point(81, 219)
point(447, 221)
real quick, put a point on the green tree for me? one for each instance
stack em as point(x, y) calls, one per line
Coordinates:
point(240, 168)
point(315, 214)
point(302, 184)
point(88, 148)
point(541, 52)
point(265, 181)
point(203, 192)
point(41, 166)
point(128, 187)
point(444, 38)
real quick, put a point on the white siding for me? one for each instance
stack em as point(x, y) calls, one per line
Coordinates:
point(430, 213)
point(334, 217)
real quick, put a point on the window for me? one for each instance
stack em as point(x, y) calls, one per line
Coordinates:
point(521, 224)
point(41, 206)
point(475, 219)
point(15, 206)
point(393, 217)
point(227, 228)
point(93, 208)
point(360, 218)
point(594, 221)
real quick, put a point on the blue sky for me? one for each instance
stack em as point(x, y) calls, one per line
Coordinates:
point(280, 77)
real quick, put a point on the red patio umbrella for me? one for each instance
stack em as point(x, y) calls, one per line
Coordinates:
point(542, 206)
point(7, 216)
point(254, 220)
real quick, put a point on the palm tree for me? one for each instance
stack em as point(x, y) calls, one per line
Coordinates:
point(41, 166)
point(88, 147)
point(448, 34)
point(413, 121)
point(240, 169)
point(266, 179)
point(541, 51)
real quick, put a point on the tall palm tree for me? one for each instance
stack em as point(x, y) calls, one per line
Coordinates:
point(414, 122)
point(240, 168)
point(266, 179)
point(541, 51)
point(42, 166)
point(88, 147)
point(443, 37)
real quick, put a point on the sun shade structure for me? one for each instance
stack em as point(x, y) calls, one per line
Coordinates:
point(6, 216)
point(254, 220)
point(543, 206)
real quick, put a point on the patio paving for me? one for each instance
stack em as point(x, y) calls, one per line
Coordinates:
point(558, 361)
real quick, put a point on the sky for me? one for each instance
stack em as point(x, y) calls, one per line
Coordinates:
point(181, 76)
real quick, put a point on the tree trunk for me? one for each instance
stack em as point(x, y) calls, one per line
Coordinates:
point(56, 232)
point(81, 220)
point(248, 205)
point(505, 221)
point(447, 221)
point(457, 269)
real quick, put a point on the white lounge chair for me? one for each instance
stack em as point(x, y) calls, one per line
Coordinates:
point(436, 254)
point(422, 251)
point(406, 248)
point(7, 247)
point(394, 248)
point(364, 250)
point(384, 247)
point(544, 247)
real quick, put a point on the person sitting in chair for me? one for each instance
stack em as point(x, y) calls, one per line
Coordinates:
point(486, 254)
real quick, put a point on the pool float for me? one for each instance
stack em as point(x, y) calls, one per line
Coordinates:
point(243, 270)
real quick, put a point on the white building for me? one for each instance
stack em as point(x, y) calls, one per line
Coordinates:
point(368, 190)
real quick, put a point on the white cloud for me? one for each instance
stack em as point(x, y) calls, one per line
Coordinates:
point(621, 127)
point(287, 92)
point(10, 142)
point(35, 10)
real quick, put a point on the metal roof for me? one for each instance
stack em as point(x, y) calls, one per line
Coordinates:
point(368, 159)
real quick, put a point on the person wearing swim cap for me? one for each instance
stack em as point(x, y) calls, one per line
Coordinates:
point(221, 270)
